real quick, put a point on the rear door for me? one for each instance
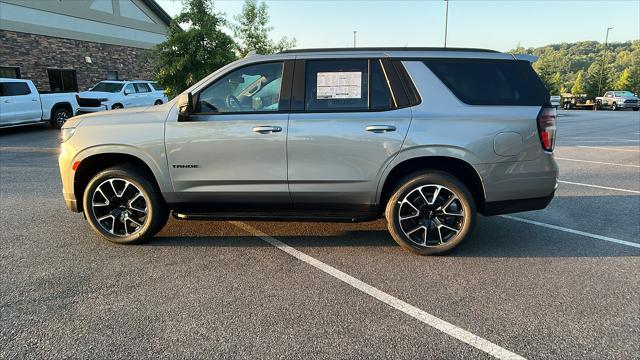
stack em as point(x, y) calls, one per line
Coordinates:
point(232, 152)
point(144, 96)
point(130, 96)
point(347, 123)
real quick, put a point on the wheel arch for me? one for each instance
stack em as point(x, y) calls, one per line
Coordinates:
point(118, 103)
point(60, 105)
point(94, 163)
point(459, 168)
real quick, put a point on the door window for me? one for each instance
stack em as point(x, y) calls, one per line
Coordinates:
point(347, 85)
point(129, 89)
point(15, 89)
point(142, 88)
point(254, 88)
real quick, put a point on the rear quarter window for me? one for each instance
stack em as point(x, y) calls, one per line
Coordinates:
point(491, 82)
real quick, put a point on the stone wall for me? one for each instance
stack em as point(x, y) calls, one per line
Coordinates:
point(34, 54)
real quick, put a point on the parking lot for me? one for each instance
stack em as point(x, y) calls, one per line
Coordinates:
point(562, 282)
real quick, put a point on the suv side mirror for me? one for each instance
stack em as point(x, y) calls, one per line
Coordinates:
point(126, 92)
point(185, 107)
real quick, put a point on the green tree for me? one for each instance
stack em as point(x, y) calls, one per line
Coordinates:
point(252, 31)
point(190, 54)
point(624, 81)
point(578, 85)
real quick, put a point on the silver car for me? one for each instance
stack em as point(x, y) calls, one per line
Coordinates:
point(424, 137)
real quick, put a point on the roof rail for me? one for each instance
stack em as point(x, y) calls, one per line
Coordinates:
point(387, 49)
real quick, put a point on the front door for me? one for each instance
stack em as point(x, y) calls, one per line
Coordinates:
point(232, 153)
point(348, 129)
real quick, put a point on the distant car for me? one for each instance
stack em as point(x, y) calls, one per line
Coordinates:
point(22, 104)
point(555, 101)
point(616, 100)
point(109, 95)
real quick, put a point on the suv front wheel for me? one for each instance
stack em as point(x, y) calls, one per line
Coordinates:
point(430, 213)
point(124, 206)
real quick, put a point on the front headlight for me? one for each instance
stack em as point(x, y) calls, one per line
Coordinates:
point(67, 133)
point(103, 100)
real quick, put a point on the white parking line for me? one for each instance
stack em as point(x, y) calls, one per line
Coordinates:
point(421, 315)
point(597, 162)
point(25, 149)
point(577, 232)
point(599, 187)
point(604, 148)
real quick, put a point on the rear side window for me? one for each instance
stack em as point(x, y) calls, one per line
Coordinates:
point(491, 82)
point(157, 87)
point(15, 89)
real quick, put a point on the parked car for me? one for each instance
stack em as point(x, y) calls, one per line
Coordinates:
point(555, 100)
point(108, 95)
point(616, 100)
point(22, 104)
point(423, 137)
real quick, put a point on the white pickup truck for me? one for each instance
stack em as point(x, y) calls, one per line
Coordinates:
point(22, 104)
point(616, 100)
point(119, 94)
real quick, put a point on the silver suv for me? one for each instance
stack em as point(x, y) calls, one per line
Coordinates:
point(424, 137)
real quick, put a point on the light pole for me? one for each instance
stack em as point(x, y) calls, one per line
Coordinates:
point(604, 60)
point(354, 38)
point(446, 21)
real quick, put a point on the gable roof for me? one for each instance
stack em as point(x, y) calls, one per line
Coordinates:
point(158, 10)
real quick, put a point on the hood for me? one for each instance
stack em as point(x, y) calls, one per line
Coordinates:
point(631, 97)
point(119, 116)
point(96, 94)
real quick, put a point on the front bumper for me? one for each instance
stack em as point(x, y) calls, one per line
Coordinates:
point(67, 174)
point(87, 110)
point(627, 105)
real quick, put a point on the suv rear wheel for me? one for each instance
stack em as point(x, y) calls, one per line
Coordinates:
point(430, 213)
point(123, 206)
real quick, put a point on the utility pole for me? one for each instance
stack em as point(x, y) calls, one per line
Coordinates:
point(354, 38)
point(446, 21)
point(604, 60)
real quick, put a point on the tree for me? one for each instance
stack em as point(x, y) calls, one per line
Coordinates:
point(624, 81)
point(189, 55)
point(252, 31)
point(578, 87)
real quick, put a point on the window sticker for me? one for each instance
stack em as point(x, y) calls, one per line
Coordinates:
point(339, 85)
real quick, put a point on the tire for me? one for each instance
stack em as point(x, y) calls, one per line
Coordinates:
point(635, 109)
point(459, 219)
point(598, 105)
point(112, 195)
point(614, 107)
point(117, 106)
point(158, 102)
point(59, 117)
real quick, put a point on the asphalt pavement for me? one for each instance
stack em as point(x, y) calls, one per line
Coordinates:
point(557, 283)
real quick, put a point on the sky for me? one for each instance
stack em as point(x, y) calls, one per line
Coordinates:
point(497, 25)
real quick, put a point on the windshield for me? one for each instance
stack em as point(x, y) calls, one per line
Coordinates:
point(623, 93)
point(108, 87)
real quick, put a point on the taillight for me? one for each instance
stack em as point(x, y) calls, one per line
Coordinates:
point(547, 128)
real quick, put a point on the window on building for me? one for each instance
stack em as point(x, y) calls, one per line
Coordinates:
point(112, 75)
point(11, 72)
point(61, 80)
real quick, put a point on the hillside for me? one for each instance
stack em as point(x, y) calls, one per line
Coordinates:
point(576, 67)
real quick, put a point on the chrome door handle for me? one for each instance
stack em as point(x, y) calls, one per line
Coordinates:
point(380, 128)
point(34, 99)
point(267, 129)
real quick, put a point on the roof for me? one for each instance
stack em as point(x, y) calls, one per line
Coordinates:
point(158, 10)
point(382, 49)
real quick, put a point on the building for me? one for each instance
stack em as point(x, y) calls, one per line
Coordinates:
point(69, 45)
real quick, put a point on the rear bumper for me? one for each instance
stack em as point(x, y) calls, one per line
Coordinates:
point(520, 205)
